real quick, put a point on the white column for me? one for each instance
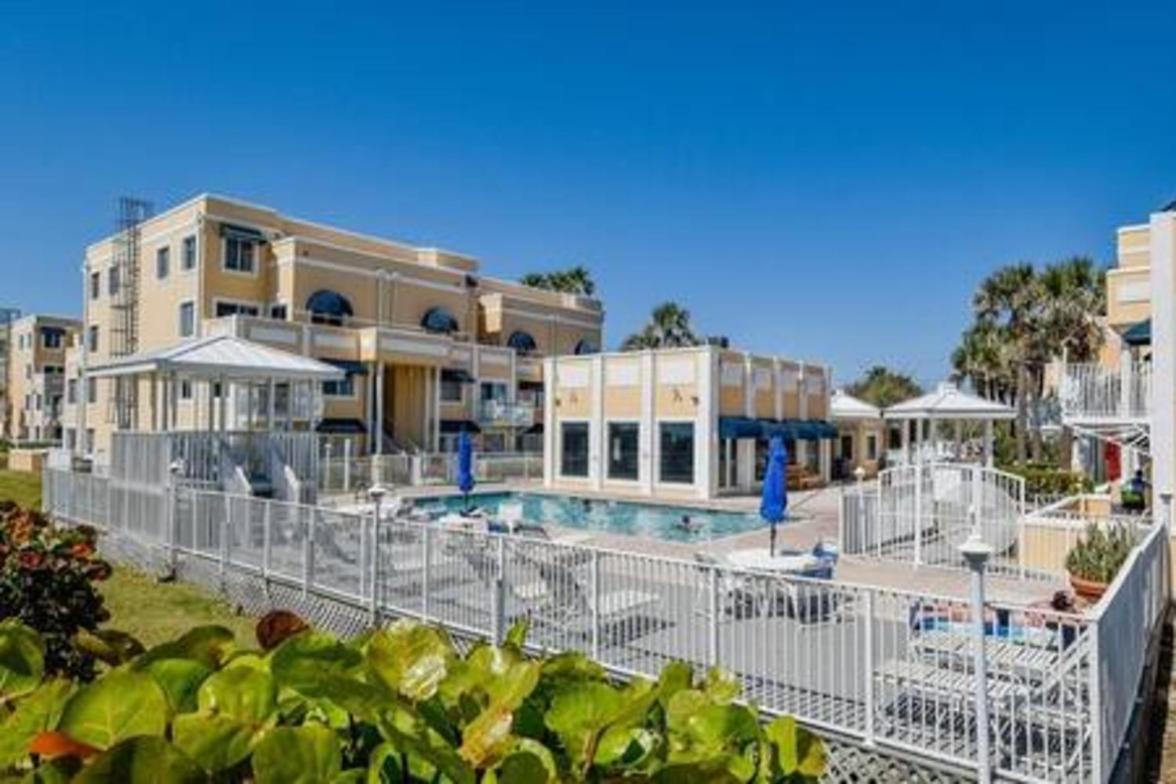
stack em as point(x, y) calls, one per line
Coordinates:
point(154, 379)
point(934, 436)
point(1163, 305)
point(549, 440)
point(174, 402)
point(223, 403)
point(428, 401)
point(270, 404)
point(378, 412)
point(211, 402)
point(745, 447)
point(437, 408)
point(706, 454)
point(904, 437)
point(597, 447)
point(988, 444)
point(646, 468)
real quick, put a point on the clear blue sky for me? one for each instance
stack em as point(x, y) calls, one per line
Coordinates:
point(827, 184)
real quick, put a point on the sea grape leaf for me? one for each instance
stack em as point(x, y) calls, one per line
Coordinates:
point(120, 705)
point(22, 659)
point(242, 693)
point(109, 646)
point(416, 739)
point(410, 659)
point(141, 760)
point(302, 661)
point(180, 679)
point(215, 742)
point(798, 751)
point(208, 645)
point(35, 713)
point(309, 754)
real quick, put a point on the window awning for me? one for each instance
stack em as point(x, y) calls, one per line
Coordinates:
point(1138, 334)
point(342, 426)
point(536, 386)
point(739, 427)
point(241, 232)
point(534, 430)
point(348, 366)
point(460, 375)
point(458, 425)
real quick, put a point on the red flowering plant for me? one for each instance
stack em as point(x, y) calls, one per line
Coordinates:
point(48, 579)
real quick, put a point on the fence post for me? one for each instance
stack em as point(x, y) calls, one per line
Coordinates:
point(918, 514)
point(327, 468)
point(267, 547)
point(308, 551)
point(1021, 529)
point(374, 579)
point(363, 556)
point(498, 595)
point(1096, 733)
point(977, 553)
point(173, 514)
point(347, 465)
point(713, 637)
point(226, 524)
point(426, 568)
point(594, 587)
point(868, 670)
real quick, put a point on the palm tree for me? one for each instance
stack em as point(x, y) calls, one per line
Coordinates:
point(883, 387)
point(573, 280)
point(669, 327)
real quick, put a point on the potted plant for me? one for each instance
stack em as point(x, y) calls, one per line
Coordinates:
point(1095, 560)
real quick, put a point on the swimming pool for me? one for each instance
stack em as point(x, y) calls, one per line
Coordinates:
point(620, 517)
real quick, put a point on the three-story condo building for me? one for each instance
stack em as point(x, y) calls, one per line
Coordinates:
point(429, 345)
point(34, 376)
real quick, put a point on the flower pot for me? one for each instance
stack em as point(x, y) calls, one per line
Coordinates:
point(1090, 590)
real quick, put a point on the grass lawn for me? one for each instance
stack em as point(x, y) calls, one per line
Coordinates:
point(22, 487)
point(151, 611)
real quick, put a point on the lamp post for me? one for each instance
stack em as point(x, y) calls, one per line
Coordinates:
point(376, 493)
point(175, 471)
point(976, 553)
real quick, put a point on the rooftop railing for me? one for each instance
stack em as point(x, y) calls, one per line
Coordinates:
point(1091, 391)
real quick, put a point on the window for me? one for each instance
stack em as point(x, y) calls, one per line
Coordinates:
point(185, 389)
point(451, 391)
point(92, 343)
point(522, 342)
point(622, 450)
point(236, 308)
point(113, 281)
point(89, 445)
point(439, 320)
point(95, 285)
point(162, 262)
point(343, 388)
point(239, 254)
point(187, 319)
point(70, 438)
point(278, 312)
point(71, 391)
point(188, 254)
point(52, 337)
point(872, 446)
point(216, 389)
point(493, 390)
point(574, 449)
point(91, 390)
point(328, 307)
point(28, 371)
point(586, 346)
point(677, 452)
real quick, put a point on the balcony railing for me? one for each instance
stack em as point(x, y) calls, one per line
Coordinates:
point(1092, 391)
point(503, 413)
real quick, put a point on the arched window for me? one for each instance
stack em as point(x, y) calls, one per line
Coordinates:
point(439, 319)
point(328, 307)
point(586, 346)
point(521, 342)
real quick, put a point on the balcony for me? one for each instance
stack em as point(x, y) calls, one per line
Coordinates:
point(1093, 393)
point(500, 413)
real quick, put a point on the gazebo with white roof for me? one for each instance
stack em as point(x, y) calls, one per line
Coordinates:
point(221, 361)
point(948, 403)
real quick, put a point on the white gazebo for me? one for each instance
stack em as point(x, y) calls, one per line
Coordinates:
point(948, 403)
point(861, 433)
point(224, 363)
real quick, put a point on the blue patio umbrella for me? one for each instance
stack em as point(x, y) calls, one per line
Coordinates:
point(465, 466)
point(774, 503)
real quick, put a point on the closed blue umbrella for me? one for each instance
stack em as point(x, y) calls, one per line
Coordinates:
point(774, 503)
point(465, 466)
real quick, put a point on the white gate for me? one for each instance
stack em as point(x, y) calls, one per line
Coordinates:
point(923, 513)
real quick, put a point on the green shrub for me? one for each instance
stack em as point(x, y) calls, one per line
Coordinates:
point(1100, 553)
point(1045, 479)
point(47, 582)
point(397, 705)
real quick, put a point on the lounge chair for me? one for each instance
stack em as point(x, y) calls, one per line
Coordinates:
point(738, 595)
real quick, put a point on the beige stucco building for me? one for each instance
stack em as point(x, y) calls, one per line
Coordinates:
point(682, 423)
point(34, 377)
point(861, 436)
point(429, 345)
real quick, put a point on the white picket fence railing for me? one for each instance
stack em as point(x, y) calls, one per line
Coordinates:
point(894, 669)
point(1094, 391)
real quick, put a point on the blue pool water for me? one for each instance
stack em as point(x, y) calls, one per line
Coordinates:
point(621, 517)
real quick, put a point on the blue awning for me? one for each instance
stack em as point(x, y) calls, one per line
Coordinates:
point(1138, 334)
point(796, 429)
point(241, 232)
point(348, 366)
point(460, 375)
point(342, 426)
point(458, 425)
point(739, 427)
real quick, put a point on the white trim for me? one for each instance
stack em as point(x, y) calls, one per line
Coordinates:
point(397, 345)
point(333, 340)
point(587, 421)
point(549, 317)
point(604, 459)
point(385, 258)
point(400, 278)
point(264, 333)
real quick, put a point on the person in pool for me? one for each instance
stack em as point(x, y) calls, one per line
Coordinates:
point(688, 524)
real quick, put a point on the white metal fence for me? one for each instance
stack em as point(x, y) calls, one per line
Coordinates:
point(922, 513)
point(889, 667)
point(355, 474)
point(1093, 391)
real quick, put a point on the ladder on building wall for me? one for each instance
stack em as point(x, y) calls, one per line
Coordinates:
point(124, 305)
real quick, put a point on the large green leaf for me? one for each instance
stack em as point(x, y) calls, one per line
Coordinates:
point(626, 747)
point(302, 661)
point(209, 645)
point(579, 714)
point(120, 705)
point(384, 766)
point(241, 693)
point(22, 659)
point(309, 754)
point(721, 686)
point(109, 645)
point(180, 680)
point(487, 736)
point(416, 739)
point(35, 713)
point(798, 751)
point(142, 760)
point(215, 742)
point(410, 659)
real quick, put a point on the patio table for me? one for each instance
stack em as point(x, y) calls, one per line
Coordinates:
point(761, 561)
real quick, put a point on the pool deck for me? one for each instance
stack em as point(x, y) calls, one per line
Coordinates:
point(813, 517)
